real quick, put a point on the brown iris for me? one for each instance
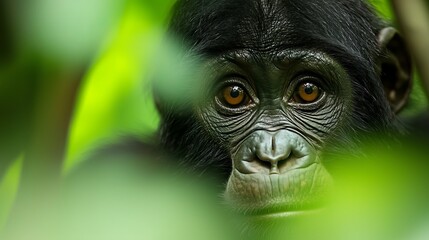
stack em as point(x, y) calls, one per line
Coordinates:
point(233, 95)
point(307, 93)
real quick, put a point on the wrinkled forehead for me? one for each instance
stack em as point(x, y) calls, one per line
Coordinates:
point(264, 25)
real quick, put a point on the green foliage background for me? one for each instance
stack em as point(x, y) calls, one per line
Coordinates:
point(115, 98)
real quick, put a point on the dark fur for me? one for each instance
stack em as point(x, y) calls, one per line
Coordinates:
point(346, 30)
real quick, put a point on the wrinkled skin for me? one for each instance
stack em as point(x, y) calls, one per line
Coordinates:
point(275, 143)
point(286, 84)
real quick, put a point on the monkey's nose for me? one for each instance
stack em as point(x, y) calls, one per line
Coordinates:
point(267, 152)
point(271, 151)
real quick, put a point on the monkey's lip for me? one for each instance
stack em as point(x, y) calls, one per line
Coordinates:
point(284, 211)
point(286, 214)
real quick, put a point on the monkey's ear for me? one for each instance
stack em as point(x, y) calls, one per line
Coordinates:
point(395, 68)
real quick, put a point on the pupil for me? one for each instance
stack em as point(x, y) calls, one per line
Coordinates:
point(308, 88)
point(235, 92)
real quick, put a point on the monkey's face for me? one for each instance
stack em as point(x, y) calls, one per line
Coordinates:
point(274, 117)
point(285, 81)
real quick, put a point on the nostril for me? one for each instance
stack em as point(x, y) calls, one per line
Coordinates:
point(264, 164)
point(271, 162)
point(272, 158)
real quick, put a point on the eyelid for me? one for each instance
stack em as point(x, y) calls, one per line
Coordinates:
point(309, 77)
point(235, 79)
point(231, 82)
point(299, 78)
point(241, 82)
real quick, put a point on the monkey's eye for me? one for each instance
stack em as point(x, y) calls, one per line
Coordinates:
point(234, 96)
point(307, 93)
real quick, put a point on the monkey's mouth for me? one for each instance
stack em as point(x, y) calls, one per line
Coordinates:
point(285, 211)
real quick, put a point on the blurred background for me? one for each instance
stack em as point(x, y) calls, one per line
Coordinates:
point(74, 76)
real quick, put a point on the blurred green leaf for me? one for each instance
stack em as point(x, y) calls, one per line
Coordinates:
point(8, 189)
point(383, 7)
point(116, 98)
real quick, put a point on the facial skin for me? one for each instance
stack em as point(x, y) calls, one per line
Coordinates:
point(276, 128)
point(286, 83)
